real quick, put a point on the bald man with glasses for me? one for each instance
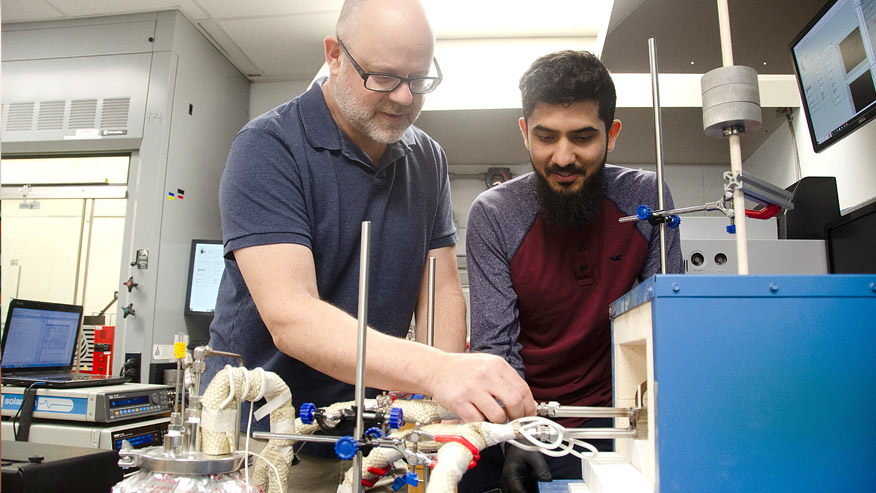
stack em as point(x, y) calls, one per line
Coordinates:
point(299, 181)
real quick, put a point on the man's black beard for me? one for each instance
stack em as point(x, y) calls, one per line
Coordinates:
point(566, 211)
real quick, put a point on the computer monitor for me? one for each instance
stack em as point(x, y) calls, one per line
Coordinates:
point(851, 241)
point(206, 265)
point(835, 66)
point(816, 203)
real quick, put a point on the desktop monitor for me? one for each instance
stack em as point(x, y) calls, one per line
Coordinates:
point(206, 265)
point(835, 63)
point(851, 241)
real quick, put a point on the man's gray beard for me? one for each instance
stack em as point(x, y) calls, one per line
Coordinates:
point(365, 119)
point(570, 212)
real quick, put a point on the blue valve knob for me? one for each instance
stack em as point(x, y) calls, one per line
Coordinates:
point(346, 448)
point(398, 483)
point(396, 418)
point(306, 412)
point(412, 479)
point(409, 479)
point(673, 221)
point(731, 229)
point(643, 212)
point(374, 432)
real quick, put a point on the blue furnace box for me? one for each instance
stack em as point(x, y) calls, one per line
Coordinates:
point(753, 383)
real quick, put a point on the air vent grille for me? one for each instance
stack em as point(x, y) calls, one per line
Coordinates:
point(83, 114)
point(114, 113)
point(20, 116)
point(51, 115)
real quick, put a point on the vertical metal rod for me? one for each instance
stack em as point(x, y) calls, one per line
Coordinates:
point(359, 430)
point(79, 254)
point(735, 148)
point(430, 317)
point(88, 251)
point(430, 338)
point(658, 136)
point(18, 280)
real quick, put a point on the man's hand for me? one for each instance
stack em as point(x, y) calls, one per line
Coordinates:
point(480, 387)
point(521, 470)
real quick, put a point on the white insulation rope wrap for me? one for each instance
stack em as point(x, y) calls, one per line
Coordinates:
point(219, 426)
point(419, 411)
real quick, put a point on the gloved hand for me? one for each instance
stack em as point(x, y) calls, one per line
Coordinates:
point(522, 469)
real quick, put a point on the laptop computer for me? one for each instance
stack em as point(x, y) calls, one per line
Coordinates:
point(39, 344)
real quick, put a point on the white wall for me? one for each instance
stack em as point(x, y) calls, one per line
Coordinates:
point(264, 96)
point(852, 161)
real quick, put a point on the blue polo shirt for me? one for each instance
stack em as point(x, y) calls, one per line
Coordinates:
point(293, 177)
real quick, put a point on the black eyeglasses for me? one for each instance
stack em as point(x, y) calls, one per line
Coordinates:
point(388, 82)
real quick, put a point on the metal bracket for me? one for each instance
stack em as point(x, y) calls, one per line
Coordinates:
point(757, 190)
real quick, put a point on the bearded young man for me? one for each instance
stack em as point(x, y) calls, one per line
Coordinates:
point(299, 181)
point(546, 256)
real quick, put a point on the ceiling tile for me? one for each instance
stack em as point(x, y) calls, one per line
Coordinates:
point(231, 9)
point(29, 11)
point(289, 46)
point(78, 8)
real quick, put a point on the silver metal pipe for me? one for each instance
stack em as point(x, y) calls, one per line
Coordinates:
point(658, 137)
point(359, 430)
point(79, 255)
point(552, 411)
point(267, 435)
point(593, 433)
point(430, 317)
point(711, 206)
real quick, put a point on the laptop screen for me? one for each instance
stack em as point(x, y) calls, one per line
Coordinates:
point(40, 335)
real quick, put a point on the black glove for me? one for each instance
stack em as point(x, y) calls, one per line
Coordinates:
point(522, 469)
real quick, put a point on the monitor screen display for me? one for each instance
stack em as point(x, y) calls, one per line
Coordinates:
point(835, 63)
point(206, 265)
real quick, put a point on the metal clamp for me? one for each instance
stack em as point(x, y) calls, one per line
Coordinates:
point(757, 190)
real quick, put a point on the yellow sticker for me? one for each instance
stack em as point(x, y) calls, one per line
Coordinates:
point(179, 350)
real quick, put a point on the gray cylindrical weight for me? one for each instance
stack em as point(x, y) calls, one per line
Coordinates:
point(731, 100)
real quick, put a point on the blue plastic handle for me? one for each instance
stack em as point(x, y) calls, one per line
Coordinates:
point(396, 418)
point(346, 448)
point(374, 432)
point(306, 412)
point(643, 212)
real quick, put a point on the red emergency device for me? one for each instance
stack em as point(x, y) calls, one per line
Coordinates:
point(102, 350)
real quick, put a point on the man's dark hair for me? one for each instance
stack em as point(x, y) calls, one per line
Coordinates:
point(567, 77)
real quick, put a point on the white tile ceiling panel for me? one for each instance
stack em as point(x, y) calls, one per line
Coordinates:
point(28, 11)
point(227, 9)
point(80, 8)
point(288, 46)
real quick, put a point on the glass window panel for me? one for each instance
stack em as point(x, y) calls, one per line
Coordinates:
point(57, 170)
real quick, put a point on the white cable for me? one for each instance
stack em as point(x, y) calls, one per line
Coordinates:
point(229, 370)
point(269, 463)
point(554, 448)
point(261, 372)
point(246, 450)
point(245, 390)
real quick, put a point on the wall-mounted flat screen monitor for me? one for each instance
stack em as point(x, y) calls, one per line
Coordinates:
point(835, 63)
point(206, 265)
